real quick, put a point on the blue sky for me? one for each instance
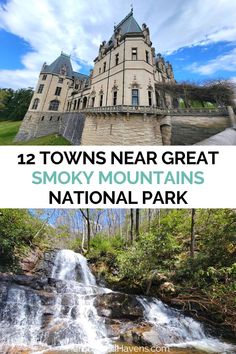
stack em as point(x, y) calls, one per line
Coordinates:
point(197, 37)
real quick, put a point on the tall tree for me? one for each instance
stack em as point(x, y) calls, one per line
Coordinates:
point(86, 216)
point(192, 243)
point(137, 221)
point(131, 226)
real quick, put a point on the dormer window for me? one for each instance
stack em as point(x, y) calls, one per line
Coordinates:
point(63, 70)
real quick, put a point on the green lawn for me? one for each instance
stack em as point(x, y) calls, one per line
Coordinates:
point(8, 131)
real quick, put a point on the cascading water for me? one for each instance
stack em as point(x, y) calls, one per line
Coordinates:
point(75, 311)
point(20, 318)
point(63, 316)
point(176, 330)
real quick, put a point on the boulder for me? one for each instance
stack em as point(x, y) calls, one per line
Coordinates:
point(118, 306)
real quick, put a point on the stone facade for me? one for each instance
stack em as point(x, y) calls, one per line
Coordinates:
point(118, 103)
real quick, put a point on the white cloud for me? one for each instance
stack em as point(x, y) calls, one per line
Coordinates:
point(78, 26)
point(226, 62)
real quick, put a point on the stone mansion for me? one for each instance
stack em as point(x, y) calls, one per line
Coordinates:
point(117, 104)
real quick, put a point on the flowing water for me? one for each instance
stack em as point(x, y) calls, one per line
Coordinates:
point(75, 326)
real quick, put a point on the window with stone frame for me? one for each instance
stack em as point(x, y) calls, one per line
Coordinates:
point(93, 101)
point(104, 66)
point(58, 91)
point(40, 89)
point(101, 100)
point(54, 105)
point(134, 54)
point(135, 97)
point(35, 103)
point(117, 59)
point(150, 98)
point(147, 56)
point(44, 77)
point(60, 80)
point(114, 98)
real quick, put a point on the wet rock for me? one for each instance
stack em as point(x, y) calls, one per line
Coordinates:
point(54, 333)
point(134, 334)
point(118, 306)
point(45, 264)
point(47, 299)
point(68, 300)
point(148, 338)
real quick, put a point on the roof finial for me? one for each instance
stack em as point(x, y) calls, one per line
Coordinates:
point(131, 5)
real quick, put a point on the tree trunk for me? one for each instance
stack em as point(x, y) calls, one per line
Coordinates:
point(86, 216)
point(137, 224)
point(131, 226)
point(192, 244)
point(88, 229)
point(149, 219)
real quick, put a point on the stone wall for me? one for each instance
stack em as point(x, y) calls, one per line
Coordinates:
point(38, 124)
point(121, 130)
point(189, 130)
point(71, 127)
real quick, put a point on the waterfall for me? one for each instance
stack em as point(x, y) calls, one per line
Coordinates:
point(20, 318)
point(63, 317)
point(74, 307)
point(70, 265)
point(176, 330)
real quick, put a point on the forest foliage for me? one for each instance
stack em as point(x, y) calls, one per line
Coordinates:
point(14, 103)
point(161, 243)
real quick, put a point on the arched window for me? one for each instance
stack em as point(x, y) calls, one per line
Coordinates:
point(53, 105)
point(75, 103)
point(78, 104)
point(35, 103)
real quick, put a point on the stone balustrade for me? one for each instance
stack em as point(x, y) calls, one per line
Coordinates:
point(149, 110)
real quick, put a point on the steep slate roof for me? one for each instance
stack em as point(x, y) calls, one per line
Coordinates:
point(127, 25)
point(63, 61)
point(55, 67)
